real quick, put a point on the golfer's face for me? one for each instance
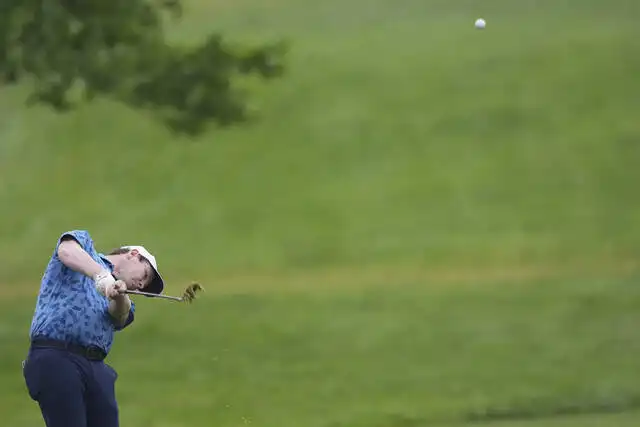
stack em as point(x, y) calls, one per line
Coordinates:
point(135, 271)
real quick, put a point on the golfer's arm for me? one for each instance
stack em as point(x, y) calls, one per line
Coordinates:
point(119, 308)
point(77, 259)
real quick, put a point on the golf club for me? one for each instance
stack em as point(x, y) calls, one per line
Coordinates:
point(188, 296)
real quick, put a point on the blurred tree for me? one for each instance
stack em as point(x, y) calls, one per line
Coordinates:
point(76, 50)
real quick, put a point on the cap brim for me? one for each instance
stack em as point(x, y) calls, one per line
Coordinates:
point(156, 286)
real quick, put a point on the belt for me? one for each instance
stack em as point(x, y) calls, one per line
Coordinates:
point(91, 352)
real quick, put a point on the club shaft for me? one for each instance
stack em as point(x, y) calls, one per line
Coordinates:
point(152, 295)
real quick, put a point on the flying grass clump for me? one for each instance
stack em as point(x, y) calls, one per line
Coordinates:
point(190, 292)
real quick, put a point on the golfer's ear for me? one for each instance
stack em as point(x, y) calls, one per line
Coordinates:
point(134, 252)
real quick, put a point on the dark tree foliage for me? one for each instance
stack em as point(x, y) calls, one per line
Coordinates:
point(76, 50)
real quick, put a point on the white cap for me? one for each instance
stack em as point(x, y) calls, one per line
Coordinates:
point(157, 284)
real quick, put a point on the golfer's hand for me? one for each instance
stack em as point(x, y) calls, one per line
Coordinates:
point(116, 289)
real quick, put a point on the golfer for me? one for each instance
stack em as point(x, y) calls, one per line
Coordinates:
point(80, 306)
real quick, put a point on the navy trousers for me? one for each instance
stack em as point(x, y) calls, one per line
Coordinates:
point(72, 391)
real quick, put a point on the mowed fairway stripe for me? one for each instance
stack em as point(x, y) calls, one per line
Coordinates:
point(349, 279)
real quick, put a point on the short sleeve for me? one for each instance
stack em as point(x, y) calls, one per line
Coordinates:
point(81, 236)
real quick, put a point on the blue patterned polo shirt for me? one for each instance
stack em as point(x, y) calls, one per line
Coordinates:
point(69, 307)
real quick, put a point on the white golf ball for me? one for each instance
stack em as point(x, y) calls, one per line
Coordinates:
point(480, 23)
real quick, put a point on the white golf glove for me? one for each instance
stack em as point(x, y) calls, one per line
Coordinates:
point(106, 284)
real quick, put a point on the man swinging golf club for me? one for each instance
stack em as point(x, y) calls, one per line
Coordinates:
point(80, 306)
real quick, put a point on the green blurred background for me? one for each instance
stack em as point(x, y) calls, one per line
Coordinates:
point(428, 224)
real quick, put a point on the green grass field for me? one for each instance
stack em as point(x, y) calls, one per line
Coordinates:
point(412, 355)
point(425, 222)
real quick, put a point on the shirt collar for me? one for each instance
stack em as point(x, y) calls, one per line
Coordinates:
point(104, 258)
